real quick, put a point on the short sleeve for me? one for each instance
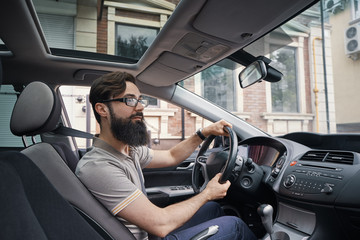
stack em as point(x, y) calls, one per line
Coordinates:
point(144, 155)
point(109, 184)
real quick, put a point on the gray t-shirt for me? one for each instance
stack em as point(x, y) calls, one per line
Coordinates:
point(113, 178)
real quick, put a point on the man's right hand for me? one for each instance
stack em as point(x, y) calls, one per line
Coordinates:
point(215, 190)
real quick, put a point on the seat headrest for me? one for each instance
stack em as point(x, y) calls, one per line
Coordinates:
point(36, 111)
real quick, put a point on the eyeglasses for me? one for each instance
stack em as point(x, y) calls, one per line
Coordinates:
point(129, 101)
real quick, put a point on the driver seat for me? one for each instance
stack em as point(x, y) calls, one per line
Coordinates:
point(37, 111)
point(41, 108)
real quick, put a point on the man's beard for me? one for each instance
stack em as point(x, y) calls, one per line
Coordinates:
point(125, 130)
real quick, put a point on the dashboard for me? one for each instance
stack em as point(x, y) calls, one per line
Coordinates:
point(299, 172)
point(317, 185)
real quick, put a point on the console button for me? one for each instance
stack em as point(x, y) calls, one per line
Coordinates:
point(289, 181)
point(327, 188)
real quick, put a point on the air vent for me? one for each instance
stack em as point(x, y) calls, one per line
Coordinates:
point(340, 157)
point(333, 157)
point(314, 156)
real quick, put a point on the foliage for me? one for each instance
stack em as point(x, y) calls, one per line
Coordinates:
point(133, 48)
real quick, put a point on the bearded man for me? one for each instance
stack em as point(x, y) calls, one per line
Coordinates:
point(112, 169)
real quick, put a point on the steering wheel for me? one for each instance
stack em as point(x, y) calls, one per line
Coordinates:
point(223, 161)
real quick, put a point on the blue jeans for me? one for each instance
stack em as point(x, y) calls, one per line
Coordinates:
point(208, 215)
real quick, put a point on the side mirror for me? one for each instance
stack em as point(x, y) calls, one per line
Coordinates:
point(253, 73)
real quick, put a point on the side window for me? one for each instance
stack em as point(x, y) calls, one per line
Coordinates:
point(284, 93)
point(79, 112)
point(219, 83)
point(167, 124)
point(8, 99)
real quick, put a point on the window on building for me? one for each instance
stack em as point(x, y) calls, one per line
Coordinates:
point(218, 84)
point(58, 30)
point(153, 102)
point(356, 9)
point(284, 94)
point(133, 41)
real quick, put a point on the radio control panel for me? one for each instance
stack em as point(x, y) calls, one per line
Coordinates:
point(312, 182)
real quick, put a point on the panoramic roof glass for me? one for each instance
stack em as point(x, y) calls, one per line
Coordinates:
point(71, 26)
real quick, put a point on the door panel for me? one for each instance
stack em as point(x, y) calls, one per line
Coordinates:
point(166, 186)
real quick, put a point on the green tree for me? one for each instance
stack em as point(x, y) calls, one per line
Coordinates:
point(133, 48)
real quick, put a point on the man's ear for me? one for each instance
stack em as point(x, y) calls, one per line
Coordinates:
point(102, 109)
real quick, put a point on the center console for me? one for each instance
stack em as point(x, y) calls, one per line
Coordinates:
point(315, 182)
point(292, 223)
point(309, 195)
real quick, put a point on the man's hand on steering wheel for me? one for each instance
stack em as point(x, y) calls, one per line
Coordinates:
point(216, 129)
point(222, 161)
point(215, 190)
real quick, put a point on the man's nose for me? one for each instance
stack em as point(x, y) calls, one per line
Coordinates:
point(139, 107)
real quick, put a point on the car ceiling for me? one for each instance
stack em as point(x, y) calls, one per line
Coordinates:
point(197, 35)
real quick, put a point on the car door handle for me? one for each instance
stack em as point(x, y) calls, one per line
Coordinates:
point(188, 167)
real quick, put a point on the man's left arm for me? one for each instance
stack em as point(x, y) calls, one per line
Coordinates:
point(181, 151)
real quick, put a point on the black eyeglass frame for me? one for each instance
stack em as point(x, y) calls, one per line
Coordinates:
point(128, 101)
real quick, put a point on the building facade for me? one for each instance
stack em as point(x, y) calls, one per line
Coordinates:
point(344, 17)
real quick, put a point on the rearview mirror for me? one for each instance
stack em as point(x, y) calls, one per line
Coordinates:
point(253, 73)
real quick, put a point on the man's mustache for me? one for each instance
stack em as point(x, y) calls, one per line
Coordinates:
point(138, 114)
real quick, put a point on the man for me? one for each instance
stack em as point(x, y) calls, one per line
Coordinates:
point(112, 169)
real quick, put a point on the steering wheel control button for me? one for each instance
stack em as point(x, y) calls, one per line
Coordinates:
point(289, 181)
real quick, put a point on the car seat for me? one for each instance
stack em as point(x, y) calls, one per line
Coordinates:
point(30, 206)
point(37, 111)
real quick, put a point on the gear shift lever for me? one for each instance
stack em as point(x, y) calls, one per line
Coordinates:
point(266, 213)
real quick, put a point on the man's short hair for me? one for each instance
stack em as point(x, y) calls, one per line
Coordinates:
point(107, 87)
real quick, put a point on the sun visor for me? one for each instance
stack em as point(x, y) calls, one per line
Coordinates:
point(168, 69)
point(238, 22)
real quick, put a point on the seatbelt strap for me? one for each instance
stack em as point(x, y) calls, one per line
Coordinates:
point(61, 129)
point(138, 169)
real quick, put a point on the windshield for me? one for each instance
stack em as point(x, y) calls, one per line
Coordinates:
point(318, 56)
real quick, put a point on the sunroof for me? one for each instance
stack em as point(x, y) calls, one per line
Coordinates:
point(109, 28)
